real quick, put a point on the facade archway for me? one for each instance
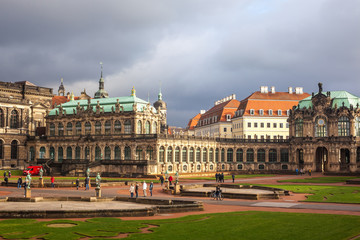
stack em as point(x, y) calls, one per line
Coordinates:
point(344, 159)
point(321, 159)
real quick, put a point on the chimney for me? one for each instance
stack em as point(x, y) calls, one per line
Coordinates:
point(299, 90)
point(272, 89)
point(264, 89)
point(202, 111)
point(290, 90)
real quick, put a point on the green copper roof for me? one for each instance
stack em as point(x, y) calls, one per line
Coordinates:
point(337, 97)
point(106, 103)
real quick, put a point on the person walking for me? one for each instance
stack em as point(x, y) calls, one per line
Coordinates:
point(87, 182)
point(19, 182)
point(4, 174)
point(216, 177)
point(77, 183)
point(137, 190)
point(170, 179)
point(233, 177)
point(162, 180)
point(9, 174)
point(131, 190)
point(144, 188)
point(6, 180)
point(52, 181)
point(151, 188)
point(310, 172)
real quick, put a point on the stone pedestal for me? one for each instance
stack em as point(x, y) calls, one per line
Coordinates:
point(98, 192)
point(177, 189)
point(167, 184)
point(28, 193)
point(41, 182)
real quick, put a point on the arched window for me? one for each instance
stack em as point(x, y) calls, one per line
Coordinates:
point(69, 153)
point(261, 155)
point(320, 127)
point(204, 155)
point(77, 153)
point(42, 153)
point(86, 153)
point(14, 149)
point(78, 128)
point(222, 155)
point(117, 127)
point(52, 153)
point(127, 153)
point(107, 153)
point(14, 119)
point(177, 154)
point(69, 129)
point(138, 153)
point(147, 127)
point(117, 153)
point(149, 152)
point(127, 127)
point(230, 155)
point(197, 155)
point(87, 128)
point(211, 155)
point(154, 128)
point(272, 155)
point(97, 153)
point(239, 155)
point(60, 154)
point(343, 126)
point(169, 154)
point(250, 155)
point(161, 154)
point(61, 129)
point(284, 155)
point(217, 155)
point(2, 118)
point(32, 154)
point(298, 127)
point(52, 129)
point(108, 127)
point(1, 149)
point(184, 154)
point(97, 127)
point(191, 154)
point(139, 127)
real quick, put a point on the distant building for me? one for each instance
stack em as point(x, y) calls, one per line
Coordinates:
point(216, 122)
point(264, 114)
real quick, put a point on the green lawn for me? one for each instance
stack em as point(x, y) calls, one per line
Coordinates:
point(236, 225)
point(47, 178)
point(13, 173)
point(319, 180)
point(335, 194)
point(229, 177)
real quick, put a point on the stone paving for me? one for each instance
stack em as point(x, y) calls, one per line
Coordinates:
point(231, 190)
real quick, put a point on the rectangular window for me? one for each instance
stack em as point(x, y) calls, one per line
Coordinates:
point(281, 125)
point(225, 129)
point(255, 125)
point(274, 125)
point(249, 124)
point(268, 125)
point(262, 125)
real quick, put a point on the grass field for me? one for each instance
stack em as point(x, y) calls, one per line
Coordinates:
point(229, 177)
point(236, 225)
point(334, 194)
point(319, 180)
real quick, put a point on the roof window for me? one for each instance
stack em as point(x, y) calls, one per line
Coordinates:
point(270, 112)
point(261, 112)
point(252, 111)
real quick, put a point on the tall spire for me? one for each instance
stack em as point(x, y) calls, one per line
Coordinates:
point(160, 95)
point(101, 64)
point(101, 93)
point(61, 90)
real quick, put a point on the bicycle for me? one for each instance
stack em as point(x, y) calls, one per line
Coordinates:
point(214, 196)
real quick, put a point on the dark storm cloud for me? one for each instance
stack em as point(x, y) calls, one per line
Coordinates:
point(198, 51)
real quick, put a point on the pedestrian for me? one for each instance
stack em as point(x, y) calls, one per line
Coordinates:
point(24, 184)
point(4, 174)
point(6, 180)
point(162, 180)
point(144, 188)
point(131, 190)
point(77, 183)
point(222, 177)
point(233, 177)
point(297, 171)
point(9, 174)
point(19, 182)
point(310, 172)
point(151, 188)
point(52, 181)
point(170, 179)
point(137, 190)
point(216, 177)
point(87, 182)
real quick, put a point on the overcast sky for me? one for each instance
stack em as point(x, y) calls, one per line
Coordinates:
point(199, 51)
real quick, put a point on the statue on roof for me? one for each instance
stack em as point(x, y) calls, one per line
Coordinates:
point(320, 87)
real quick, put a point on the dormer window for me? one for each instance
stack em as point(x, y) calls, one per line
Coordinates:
point(287, 112)
point(252, 111)
point(228, 117)
point(270, 112)
point(241, 112)
point(279, 112)
point(261, 112)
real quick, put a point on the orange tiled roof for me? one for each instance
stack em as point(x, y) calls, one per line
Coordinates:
point(220, 111)
point(57, 100)
point(275, 101)
point(193, 122)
